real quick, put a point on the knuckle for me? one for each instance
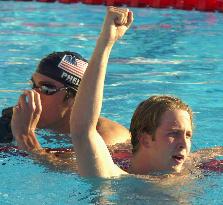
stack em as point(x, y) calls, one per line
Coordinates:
point(33, 107)
point(26, 92)
point(38, 109)
point(35, 92)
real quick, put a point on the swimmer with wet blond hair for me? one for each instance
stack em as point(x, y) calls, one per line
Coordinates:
point(161, 126)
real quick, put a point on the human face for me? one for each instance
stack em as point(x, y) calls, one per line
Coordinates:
point(53, 106)
point(172, 142)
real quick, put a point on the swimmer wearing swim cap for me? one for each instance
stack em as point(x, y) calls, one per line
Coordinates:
point(48, 104)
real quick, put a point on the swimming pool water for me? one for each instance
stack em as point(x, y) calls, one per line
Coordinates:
point(165, 52)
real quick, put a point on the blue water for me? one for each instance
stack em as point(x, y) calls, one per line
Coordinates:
point(165, 52)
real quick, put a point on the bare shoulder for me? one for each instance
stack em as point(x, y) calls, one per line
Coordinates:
point(207, 153)
point(112, 132)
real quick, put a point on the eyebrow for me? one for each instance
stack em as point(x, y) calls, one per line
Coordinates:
point(46, 82)
point(43, 82)
point(178, 129)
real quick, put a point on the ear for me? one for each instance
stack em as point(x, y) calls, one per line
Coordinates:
point(145, 140)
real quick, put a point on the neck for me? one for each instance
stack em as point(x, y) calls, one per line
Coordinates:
point(146, 166)
point(139, 167)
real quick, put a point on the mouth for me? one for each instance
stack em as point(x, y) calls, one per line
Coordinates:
point(179, 158)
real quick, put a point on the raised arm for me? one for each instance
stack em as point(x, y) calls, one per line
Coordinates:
point(93, 157)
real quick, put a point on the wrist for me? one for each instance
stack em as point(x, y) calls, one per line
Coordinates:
point(105, 42)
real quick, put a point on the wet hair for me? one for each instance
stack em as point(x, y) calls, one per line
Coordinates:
point(63, 67)
point(147, 116)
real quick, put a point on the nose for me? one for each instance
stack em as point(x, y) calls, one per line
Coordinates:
point(182, 141)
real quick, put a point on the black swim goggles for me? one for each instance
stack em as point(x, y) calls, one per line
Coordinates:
point(49, 89)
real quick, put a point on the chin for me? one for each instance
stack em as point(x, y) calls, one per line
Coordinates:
point(177, 169)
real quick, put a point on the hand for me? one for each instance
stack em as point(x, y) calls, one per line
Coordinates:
point(25, 117)
point(117, 22)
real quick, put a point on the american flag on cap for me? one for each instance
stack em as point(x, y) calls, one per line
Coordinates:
point(73, 65)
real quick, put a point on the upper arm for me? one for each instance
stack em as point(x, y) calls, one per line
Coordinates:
point(94, 158)
point(208, 152)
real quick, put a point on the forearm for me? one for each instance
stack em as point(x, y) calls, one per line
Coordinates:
point(88, 101)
